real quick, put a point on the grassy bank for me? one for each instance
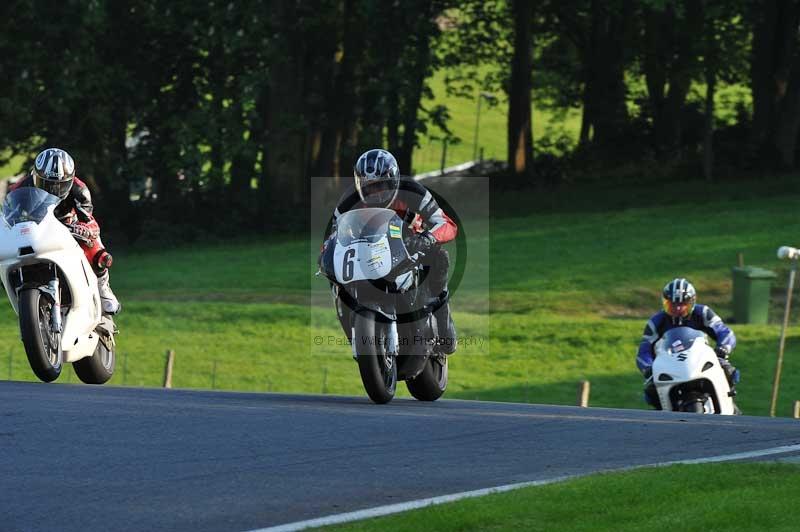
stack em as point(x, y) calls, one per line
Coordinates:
point(734, 497)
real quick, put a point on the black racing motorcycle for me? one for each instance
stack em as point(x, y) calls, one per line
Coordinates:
point(384, 305)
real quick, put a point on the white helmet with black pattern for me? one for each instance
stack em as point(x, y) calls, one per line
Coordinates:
point(54, 171)
point(377, 177)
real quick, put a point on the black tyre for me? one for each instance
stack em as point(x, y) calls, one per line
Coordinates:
point(432, 382)
point(377, 367)
point(98, 368)
point(695, 405)
point(42, 346)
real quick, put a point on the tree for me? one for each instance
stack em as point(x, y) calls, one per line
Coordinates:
point(775, 81)
point(602, 33)
point(671, 54)
point(520, 136)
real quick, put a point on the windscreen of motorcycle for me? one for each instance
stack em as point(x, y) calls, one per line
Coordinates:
point(27, 204)
point(363, 249)
point(679, 339)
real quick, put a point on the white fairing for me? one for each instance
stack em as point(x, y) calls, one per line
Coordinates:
point(52, 242)
point(362, 260)
point(685, 363)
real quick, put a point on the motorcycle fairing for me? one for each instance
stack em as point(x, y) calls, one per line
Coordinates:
point(26, 243)
point(684, 360)
point(362, 260)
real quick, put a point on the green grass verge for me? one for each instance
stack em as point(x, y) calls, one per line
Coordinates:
point(570, 293)
point(730, 497)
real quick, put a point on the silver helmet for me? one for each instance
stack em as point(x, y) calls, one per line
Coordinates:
point(54, 171)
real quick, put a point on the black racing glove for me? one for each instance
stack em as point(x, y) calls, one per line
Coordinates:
point(647, 372)
point(420, 242)
point(723, 351)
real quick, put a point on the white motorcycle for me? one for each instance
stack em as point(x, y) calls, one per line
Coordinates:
point(688, 376)
point(53, 289)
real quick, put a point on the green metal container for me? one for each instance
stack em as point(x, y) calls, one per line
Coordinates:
point(751, 294)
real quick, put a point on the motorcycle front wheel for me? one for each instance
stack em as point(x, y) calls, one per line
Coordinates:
point(694, 404)
point(378, 368)
point(42, 345)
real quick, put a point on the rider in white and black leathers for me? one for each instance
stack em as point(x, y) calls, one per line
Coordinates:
point(53, 171)
point(681, 310)
point(378, 184)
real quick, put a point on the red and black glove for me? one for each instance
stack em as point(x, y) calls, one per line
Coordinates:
point(84, 232)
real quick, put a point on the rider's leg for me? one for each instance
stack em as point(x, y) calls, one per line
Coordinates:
point(733, 379)
point(439, 261)
point(101, 260)
point(730, 371)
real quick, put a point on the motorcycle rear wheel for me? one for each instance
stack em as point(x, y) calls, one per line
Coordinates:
point(98, 368)
point(431, 383)
point(377, 367)
point(42, 346)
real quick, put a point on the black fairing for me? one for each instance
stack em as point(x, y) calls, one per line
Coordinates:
point(326, 258)
point(407, 306)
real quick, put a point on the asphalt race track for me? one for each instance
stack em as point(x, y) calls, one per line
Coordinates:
point(92, 458)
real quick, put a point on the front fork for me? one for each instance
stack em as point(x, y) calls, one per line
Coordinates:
point(53, 291)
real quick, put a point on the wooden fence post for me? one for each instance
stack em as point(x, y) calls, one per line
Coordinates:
point(584, 388)
point(168, 369)
point(444, 157)
point(782, 343)
point(796, 413)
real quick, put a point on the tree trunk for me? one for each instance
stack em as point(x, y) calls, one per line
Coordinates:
point(243, 160)
point(657, 24)
point(786, 127)
point(586, 127)
point(605, 83)
point(520, 136)
point(708, 128)
point(340, 100)
point(413, 96)
point(670, 62)
point(774, 82)
point(285, 154)
point(682, 71)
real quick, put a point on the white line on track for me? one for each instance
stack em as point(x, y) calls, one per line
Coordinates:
point(380, 511)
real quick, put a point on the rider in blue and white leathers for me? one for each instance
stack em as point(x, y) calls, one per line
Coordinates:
point(680, 310)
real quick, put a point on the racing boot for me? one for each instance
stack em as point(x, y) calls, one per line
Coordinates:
point(446, 329)
point(108, 300)
point(733, 379)
point(731, 372)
